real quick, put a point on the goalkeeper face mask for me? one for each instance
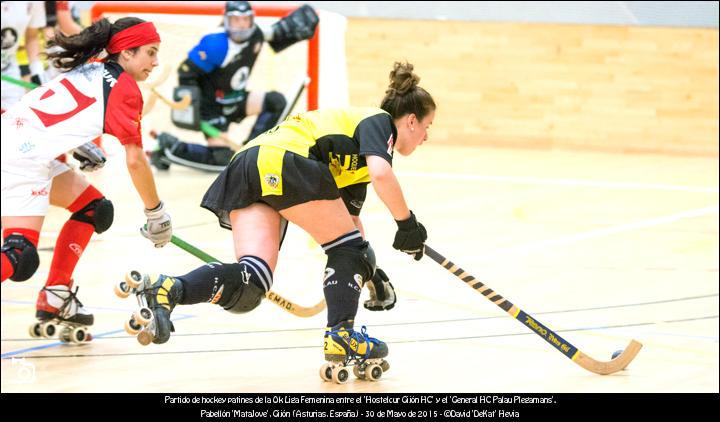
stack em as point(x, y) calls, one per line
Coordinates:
point(239, 27)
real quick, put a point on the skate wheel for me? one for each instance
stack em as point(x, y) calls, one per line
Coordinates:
point(340, 375)
point(79, 335)
point(36, 330)
point(326, 372)
point(132, 327)
point(385, 365)
point(358, 373)
point(373, 372)
point(145, 337)
point(47, 329)
point(122, 290)
point(64, 335)
point(143, 316)
point(133, 279)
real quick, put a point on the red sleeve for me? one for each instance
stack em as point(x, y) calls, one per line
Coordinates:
point(124, 110)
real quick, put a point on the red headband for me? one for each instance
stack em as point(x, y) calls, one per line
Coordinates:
point(134, 36)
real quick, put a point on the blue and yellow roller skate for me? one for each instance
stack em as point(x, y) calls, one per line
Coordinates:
point(345, 347)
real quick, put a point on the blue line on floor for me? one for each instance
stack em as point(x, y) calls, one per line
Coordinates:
point(59, 343)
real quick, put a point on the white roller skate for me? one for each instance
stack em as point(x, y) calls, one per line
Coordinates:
point(345, 347)
point(59, 312)
point(156, 295)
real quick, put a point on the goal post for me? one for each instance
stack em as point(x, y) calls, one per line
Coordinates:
point(212, 8)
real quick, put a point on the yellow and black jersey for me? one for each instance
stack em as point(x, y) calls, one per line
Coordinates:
point(340, 138)
point(313, 156)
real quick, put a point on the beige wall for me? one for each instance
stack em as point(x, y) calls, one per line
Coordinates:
point(609, 88)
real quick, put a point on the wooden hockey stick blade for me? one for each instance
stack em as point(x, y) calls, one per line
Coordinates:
point(175, 105)
point(149, 104)
point(294, 309)
point(583, 360)
point(289, 306)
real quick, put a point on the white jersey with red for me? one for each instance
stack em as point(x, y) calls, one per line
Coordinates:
point(72, 109)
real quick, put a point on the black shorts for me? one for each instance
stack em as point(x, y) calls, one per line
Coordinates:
point(219, 115)
point(354, 196)
point(272, 176)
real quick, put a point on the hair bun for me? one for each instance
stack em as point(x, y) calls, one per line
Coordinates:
point(402, 80)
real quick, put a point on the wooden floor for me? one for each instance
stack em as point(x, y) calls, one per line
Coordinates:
point(601, 248)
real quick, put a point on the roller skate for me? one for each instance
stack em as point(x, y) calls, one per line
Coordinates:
point(157, 296)
point(345, 347)
point(60, 312)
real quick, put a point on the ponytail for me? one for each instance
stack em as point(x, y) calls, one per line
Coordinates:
point(76, 50)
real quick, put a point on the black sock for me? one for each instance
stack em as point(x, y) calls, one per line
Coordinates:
point(202, 284)
point(192, 152)
point(341, 290)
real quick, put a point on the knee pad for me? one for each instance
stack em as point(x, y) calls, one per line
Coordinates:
point(272, 109)
point(102, 215)
point(23, 256)
point(274, 102)
point(355, 260)
point(249, 280)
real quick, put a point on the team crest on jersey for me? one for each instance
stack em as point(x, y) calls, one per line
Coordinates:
point(272, 180)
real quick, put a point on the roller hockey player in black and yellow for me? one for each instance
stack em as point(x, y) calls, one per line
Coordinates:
point(313, 170)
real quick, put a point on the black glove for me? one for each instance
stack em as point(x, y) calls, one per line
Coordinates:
point(297, 26)
point(410, 237)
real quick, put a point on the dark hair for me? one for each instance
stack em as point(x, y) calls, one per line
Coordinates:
point(404, 96)
point(76, 50)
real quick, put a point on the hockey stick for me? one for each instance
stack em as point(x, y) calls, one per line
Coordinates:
point(275, 298)
point(19, 82)
point(175, 105)
point(585, 361)
point(152, 85)
point(304, 81)
point(214, 132)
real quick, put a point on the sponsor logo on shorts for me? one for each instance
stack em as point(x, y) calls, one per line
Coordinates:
point(273, 180)
point(357, 204)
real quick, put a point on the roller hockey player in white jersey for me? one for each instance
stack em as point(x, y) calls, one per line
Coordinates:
point(216, 73)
